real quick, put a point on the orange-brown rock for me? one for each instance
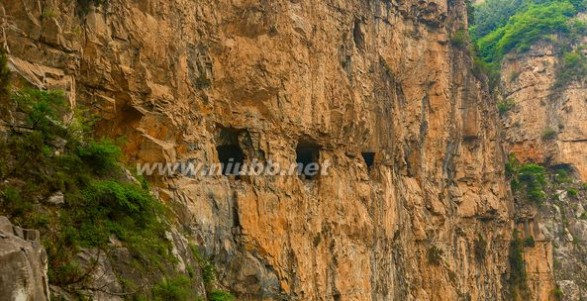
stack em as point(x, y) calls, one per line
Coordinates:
point(348, 76)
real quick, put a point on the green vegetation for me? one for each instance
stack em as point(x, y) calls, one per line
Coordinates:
point(528, 177)
point(460, 39)
point(43, 155)
point(208, 271)
point(220, 296)
point(572, 192)
point(529, 242)
point(549, 134)
point(209, 277)
point(573, 67)
point(493, 14)
point(558, 294)
point(518, 276)
point(434, 255)
point(175, 289)
point(505, 106)
point(527, 26)
point(504, 26)
point(45, 152)
point(561, 176)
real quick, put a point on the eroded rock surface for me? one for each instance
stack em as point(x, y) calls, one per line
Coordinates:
point(23, 264)
point(346, 76)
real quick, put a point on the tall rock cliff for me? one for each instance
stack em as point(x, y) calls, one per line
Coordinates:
point(543, 114)
point(429, 220)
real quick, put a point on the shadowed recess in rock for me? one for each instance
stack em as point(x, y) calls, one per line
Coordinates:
point(307, 157)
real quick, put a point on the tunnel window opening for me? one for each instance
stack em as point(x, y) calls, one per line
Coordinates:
point(307, 160)
point(231, 159)
point(369, 158)
point(230, 155)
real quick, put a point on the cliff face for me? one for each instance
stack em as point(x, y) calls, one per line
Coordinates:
point(23, 264)
point(546, 125)
point(430, 220)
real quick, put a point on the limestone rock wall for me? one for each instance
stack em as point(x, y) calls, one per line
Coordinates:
point(546, 125)
point(431, 220)
point(23, 264)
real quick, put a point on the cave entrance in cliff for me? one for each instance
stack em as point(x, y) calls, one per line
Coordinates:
point(369, 158)
point(230, 154)
point(307, 160)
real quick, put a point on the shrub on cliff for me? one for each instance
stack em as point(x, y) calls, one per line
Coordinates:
point(518, 276)
point(533, 178)
point(526, 27)
point(529, 176)
point(573, 67)
point(40, 158)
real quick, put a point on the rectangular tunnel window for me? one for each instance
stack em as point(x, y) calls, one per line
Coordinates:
point(230, 154)
point(307, 159)
point(369, 158)
point(232, 158)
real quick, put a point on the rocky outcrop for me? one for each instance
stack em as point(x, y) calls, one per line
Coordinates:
point(430, 220)
point(23, 264)
point(545, 125)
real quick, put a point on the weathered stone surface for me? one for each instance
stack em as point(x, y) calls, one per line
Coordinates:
point(56, 198)
point(547, 126)
point(23, 264)
point(348, 76)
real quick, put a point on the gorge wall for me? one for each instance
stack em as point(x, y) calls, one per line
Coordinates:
point(430, 220)
point(546, 125)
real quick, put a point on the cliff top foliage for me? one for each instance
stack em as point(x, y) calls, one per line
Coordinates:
point(502, 26)
point(512, 26)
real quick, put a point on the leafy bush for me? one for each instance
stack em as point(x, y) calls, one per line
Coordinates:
point(530, 176)
point(106, 207)
point(44, 110)
point(175, 289)
point(460, 39)
point(533, 177)
point(529, 242)
point(526, 27)
point(12, 202)
point(102, 155)
point(573, 67)
point(505, 106)
point(561, 175)
point(572, 192)
point(220, 296)
point(493, 14)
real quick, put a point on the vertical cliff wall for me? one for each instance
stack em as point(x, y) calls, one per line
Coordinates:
point(430, 220)
point(544, 124)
